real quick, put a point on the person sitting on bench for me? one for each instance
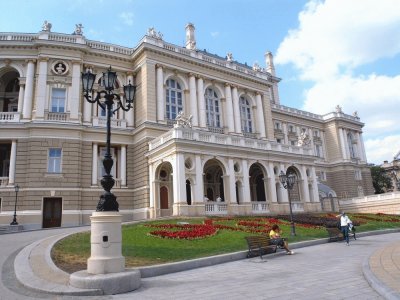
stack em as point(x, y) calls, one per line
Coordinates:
point(276, 239)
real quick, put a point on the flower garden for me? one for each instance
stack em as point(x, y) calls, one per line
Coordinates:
point(161, 241)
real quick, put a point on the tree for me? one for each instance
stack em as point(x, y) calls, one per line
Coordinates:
point(381, 181)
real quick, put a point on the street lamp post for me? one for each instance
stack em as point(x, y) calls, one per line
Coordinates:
point(108, 201)
point(288, 182)
point(14, 221)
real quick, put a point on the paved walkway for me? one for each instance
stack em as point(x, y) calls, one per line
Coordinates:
point(368, 269)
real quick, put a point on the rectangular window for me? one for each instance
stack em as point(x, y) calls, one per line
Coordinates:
point(293, 143)
point(357, 175)
point(291, 128)
point(318, 151)
point(278, 141)
point(277, 125)
point(58, 100)
point(54, 160)
point(322, 176)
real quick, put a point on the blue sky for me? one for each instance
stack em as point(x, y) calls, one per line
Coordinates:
point(328, 53)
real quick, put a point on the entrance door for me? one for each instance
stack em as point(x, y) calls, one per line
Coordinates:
point(52, 209)
point(164, 197)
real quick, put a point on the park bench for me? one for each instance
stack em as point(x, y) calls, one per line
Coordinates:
point(335, 234)
point(259, 245)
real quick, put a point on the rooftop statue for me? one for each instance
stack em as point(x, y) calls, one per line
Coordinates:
point(46, 26)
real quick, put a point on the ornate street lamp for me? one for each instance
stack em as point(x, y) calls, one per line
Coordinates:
point(108, 201)
point(14, 221)
point(288, 182)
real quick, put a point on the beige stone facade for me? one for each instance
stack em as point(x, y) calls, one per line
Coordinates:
point(229, 143)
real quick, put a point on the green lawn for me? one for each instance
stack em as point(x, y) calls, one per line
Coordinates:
point(140, 248)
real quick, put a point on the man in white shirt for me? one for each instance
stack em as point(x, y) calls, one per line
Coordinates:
point(344, 224)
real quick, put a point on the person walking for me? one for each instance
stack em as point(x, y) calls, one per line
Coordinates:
point(344, 224)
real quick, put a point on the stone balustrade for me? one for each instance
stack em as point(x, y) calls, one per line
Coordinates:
point(224, 139)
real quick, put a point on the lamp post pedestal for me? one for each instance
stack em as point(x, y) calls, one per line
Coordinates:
point(106, 265)
point(106, 243)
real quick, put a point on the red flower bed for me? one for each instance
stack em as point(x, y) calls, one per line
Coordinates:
point(186, 231)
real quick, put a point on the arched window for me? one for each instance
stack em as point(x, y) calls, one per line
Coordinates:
point(245, 115)
point(213, 108)
point(174, 99)
point(352, 145)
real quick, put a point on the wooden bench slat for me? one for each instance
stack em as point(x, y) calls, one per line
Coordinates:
point(259, 245)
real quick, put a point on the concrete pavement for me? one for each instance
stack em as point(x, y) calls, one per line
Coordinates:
point(368, 269)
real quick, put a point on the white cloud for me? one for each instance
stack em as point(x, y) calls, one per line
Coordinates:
point(127, 18)
point(382, 149)
point(334, 38)
point(341, 34)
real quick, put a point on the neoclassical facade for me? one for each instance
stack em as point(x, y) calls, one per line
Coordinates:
point(207, 134)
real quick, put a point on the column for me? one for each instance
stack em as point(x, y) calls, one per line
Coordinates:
point(246, 182)
point(260, 116)
point(284, 192)
point(74, 104)
point(271, 182)
point(315, 184)
point(21, 97)
point(199, 187)
point(285, 133)
point(229, 109)
point(342, 143)
point(94, 163)
point(152, 191)
point(193, 97)
point(311, 136)
point(160, 93)
point(130, 114)
point(179, 183)
point(123, 166)
point(41, 88)
point(323, 144)
point(28, 96)
point(202, 103)
point(236, 110)
point(231, 198)
point(306, 193)
point(361, 148)
point(13, 162)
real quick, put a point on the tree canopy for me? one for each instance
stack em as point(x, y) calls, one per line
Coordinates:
point(381, 181)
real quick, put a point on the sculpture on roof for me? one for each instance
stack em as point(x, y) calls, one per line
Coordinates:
point(338, 109)
point(182, 121)
point(355, 115)
point(78, 29)
point(256, 67)
point(154, 34)
point(46, 26)
point(229, 57)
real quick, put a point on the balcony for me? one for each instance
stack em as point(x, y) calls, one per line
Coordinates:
point(115, 123)
point(259, 207)
point(216, 208)
point(3, 181)
point(12, 117)
point(56, 116)
point(224, 139)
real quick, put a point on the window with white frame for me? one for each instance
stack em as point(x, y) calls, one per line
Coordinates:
point(357, 175)
point(174, 102)
point(58, 96)
point(318, 150)
point(291, 128)
point(277, 125)
point(213, 108)
point(102, 152)
point(245, 115)
point(54, 160)
point(316, 133)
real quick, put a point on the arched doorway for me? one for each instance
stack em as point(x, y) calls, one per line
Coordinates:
point(9, 89)
point(294, 193)
point(213, 180)
point(257, 185)
point(164, 197)
point(164, 190)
